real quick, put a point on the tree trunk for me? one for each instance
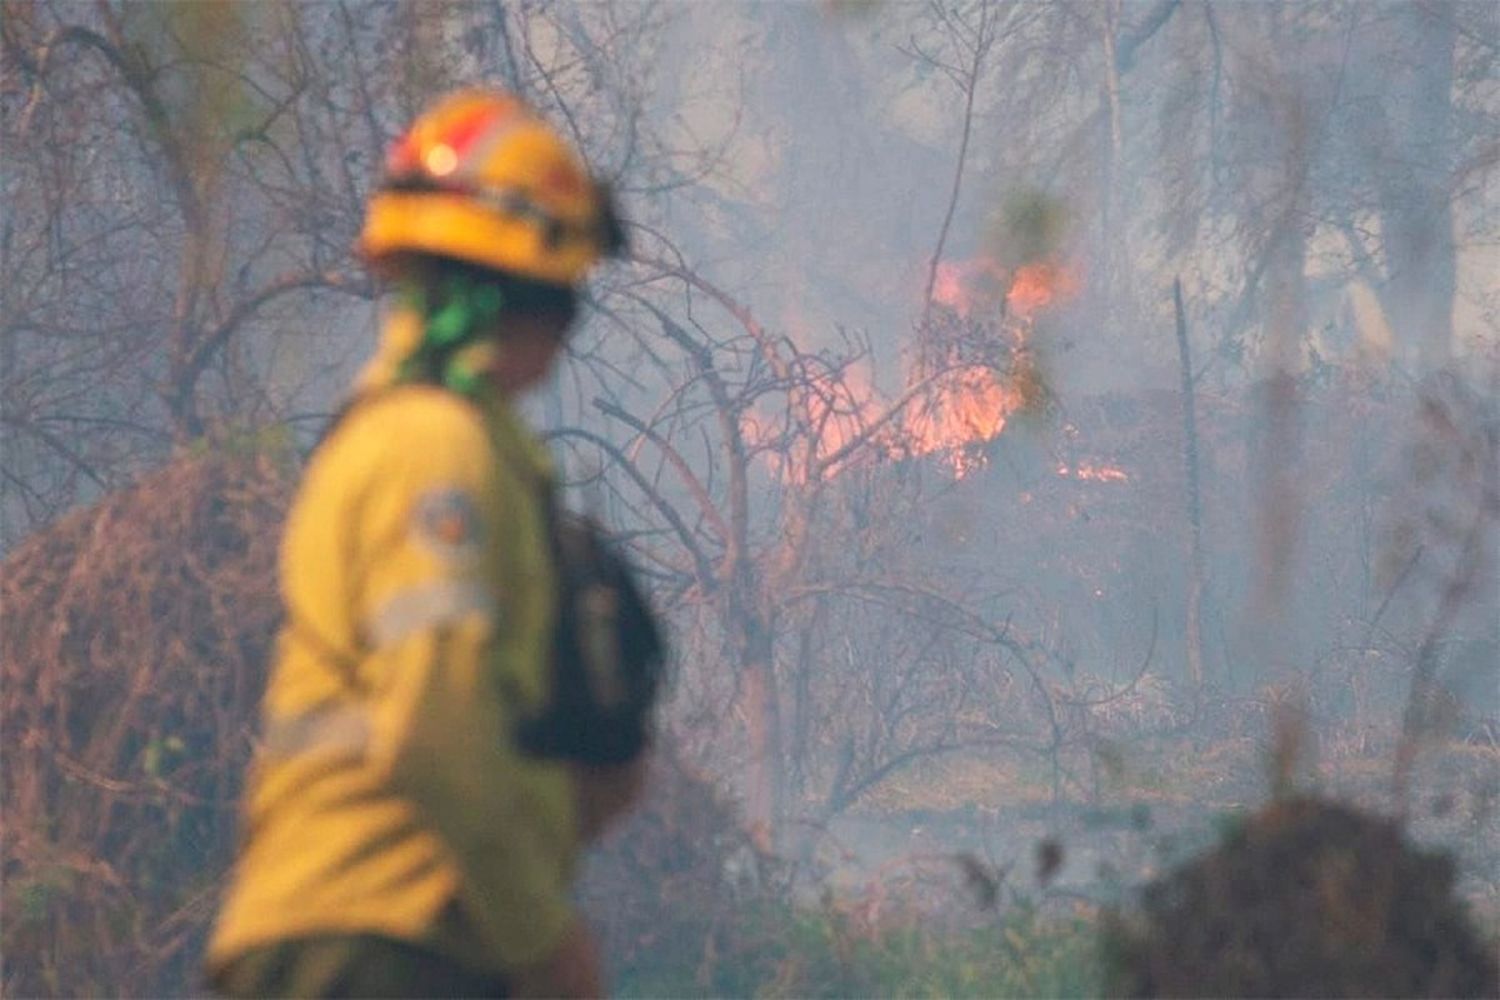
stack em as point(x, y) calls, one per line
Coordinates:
point(1194, 504)
point(1285, 313)
point(752, 650)
point(1113, 234)
point(1278, 455)
point(763, 722)
point(1416, 204)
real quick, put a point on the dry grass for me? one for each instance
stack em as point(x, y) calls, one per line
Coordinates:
point(960, 781)
point(136, 636)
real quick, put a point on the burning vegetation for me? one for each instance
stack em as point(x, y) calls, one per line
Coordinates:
point(936, 578)
point(971, 371)
point(974, 366)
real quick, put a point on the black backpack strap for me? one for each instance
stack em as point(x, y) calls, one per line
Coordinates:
point(607, 651)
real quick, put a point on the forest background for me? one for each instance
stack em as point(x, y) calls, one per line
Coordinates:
point(1017, 409)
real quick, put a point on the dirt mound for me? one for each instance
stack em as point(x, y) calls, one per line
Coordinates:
point(135, 641)
point(1308, 898)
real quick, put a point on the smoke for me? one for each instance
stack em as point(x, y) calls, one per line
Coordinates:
point(876, 171)
point(975, 211)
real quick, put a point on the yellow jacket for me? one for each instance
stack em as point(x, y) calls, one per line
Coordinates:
point(386, 796)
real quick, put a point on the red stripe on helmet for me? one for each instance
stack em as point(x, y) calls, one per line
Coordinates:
point(464, 132)
point(403, 157)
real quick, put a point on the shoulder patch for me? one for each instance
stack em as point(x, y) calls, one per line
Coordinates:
point(446, 523)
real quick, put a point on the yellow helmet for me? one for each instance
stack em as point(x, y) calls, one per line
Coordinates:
point(479, 178)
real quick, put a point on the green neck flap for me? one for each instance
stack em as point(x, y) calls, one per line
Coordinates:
point(455, 315)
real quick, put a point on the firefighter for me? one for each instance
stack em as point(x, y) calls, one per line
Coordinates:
point(401, 836)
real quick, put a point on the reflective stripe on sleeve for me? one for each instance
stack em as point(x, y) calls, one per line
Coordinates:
point(425, 607)
point(343, 731)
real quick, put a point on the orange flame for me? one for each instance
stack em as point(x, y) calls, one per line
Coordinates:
point(968, 286)
point(960, 413)
point(954, 416)
point(1038, 285)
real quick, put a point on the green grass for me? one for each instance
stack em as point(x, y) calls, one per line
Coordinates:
point(819, 952)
